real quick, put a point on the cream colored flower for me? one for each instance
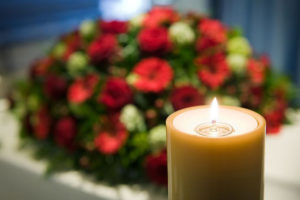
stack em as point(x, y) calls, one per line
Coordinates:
point(137, 21)
point(77, 62)
point(132, 118)
point(58, 50)
point(157, 138)
point(87, 28)
point(132, 78)
point(230, 101)
point(237, 62)
point(181, 33)
point(239, 45)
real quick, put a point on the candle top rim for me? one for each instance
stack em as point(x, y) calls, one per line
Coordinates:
point(257, 117)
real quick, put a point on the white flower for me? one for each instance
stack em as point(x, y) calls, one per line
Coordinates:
point(237, 62)
point(168, 108)
point(58, 50)
point(137, 21)
point(181, 33)
point(77, 62)
point(132, 78)
point(87, 28)
point(157, 138)
point(239, 45)
point(132, 118)
point(230, 101)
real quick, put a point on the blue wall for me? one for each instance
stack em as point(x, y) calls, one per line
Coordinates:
point(22, 20)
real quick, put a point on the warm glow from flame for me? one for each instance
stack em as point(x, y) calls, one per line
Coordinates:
point(214, 110)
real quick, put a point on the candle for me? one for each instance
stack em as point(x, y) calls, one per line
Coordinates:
point(215, 153)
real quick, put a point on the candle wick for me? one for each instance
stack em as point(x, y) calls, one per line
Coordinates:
point(214, 127)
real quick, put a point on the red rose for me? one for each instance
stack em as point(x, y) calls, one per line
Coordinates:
point(82, 88)
point(156, 168)
point(160, 16)
point(256, 70)
point(103, 48)
point(112, 137)
point(213, 70)
point(113, 27)
point(40, 67)
point(65, 132)
point(154, 75)
point(212, 29)
point(186, 96)
point(55, 86)
point(41, 123)
point(154, 40)
point(116, 94)
point(73, 43)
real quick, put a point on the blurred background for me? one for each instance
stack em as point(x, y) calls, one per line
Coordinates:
point(29, 28)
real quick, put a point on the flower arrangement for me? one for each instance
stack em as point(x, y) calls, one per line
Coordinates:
point(99, 99)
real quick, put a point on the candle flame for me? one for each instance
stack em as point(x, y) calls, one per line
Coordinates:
point(214, 110)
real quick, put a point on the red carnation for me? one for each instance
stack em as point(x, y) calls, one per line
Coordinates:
point(154, 75)
point(116, 94)
point(73, 43)
point(156, 168)
point(113, 27)
point(257, 71)
point(213, 70)
point(65, 132)
point(204, 43)
point(40, 67)
point(103, 48)
point(213, 33)
point(274, 120)
point(212, 29)
point(154, 40)
point(160, 16)
point(41, 123)
point(55, 86)
point(276, 115)
point(186, 96)
point(112, 137)
point(82, 88)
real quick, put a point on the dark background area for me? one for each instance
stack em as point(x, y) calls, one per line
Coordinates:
point(35, 19)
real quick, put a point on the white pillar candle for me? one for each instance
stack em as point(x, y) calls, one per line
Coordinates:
point(214, 166)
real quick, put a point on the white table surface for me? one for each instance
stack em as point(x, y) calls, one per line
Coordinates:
point(21, 176)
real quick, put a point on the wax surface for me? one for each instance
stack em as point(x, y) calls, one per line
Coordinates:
point(241, 122)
